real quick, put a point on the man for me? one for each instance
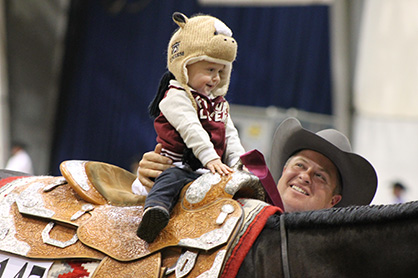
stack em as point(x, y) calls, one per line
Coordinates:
point(398, 191)
point(19, 160)
point(316, 170)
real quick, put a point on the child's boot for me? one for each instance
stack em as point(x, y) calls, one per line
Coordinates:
point(153, 221)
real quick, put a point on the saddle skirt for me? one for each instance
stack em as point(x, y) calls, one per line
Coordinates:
point(90, 213)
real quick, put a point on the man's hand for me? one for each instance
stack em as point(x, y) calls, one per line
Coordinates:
point(152, 165)
point(216, 166)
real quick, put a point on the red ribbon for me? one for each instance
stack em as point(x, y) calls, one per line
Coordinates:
point(255, 163)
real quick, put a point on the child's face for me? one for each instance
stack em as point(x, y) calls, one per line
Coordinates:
point(204, 76)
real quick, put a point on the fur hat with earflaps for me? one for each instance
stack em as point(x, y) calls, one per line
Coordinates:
point(359, 180)
point(201, 37)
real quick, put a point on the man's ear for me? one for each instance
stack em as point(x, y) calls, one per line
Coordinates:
point(336, 199)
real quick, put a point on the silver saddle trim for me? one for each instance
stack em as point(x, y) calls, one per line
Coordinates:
point(213, 238)
point(61, 244)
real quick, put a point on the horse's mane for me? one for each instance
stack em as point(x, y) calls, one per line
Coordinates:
point(347, 215)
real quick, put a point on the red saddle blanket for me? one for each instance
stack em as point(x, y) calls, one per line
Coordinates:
point(256, 215)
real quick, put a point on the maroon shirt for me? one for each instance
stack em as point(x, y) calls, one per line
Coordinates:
point(212, 114)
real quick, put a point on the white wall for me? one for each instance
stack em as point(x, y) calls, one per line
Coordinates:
point(386, 93)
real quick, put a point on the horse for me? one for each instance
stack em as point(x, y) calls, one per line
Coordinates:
point(358, 241)
point(260, 241)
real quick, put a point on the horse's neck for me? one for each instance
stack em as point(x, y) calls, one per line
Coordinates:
point(353, 215)
point(367, 249)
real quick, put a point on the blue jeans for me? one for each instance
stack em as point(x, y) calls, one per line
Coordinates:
point(167, 188)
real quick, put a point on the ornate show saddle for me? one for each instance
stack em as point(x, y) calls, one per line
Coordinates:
point(91, 214)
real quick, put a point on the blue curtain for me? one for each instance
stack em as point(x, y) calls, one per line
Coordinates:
point(114, 60)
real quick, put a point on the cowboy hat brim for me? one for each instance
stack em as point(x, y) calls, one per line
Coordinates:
point(359, 180)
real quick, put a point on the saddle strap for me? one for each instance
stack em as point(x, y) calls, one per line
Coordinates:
point(283, 239)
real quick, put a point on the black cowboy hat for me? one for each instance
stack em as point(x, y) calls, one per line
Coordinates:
point(359, 179)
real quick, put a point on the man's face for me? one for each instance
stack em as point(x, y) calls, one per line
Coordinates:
point(308, 182)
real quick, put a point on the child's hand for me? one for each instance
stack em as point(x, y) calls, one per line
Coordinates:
point(216, 166)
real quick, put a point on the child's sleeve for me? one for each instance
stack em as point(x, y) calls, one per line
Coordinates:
point(234, 148)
